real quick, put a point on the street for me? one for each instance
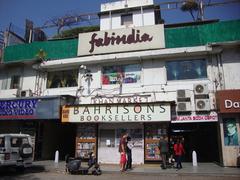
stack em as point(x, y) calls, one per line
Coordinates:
point(39, 173)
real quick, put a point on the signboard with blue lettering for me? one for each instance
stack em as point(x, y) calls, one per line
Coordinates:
point(34, 108)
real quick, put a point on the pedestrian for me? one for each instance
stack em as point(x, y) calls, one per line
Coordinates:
point(130, 145)
point(171, 151)
point(163, 148)
point(179, 151)
point(122, 151)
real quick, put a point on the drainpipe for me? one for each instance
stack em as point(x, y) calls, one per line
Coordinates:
point(110, 20)
point(222, 70)
point(142, 16)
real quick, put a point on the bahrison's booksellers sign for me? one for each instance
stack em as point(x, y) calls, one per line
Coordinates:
point(121, 40)
point(145, 112)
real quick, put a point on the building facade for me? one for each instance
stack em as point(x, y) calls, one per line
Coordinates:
point(139, 76)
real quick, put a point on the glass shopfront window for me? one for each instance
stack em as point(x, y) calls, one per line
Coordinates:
point(59, 79)
point(121, 74)
point(186, 69)
point(111, 137)
point(153, 132)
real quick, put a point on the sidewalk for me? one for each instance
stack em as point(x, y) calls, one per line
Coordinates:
point(208, 169)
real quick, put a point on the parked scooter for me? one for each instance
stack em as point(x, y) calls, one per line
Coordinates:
point(75, 166)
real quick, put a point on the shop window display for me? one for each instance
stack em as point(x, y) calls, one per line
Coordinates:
point(85, 141)
point(111, 137)
point(121, 74)
point(152, 137)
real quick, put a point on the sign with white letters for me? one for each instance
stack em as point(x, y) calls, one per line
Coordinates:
point(228, 101)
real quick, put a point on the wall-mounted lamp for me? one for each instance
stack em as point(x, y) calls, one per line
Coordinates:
point(87, 75)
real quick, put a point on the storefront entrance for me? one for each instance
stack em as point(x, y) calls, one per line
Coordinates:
point(52, 136)
point(200, 137)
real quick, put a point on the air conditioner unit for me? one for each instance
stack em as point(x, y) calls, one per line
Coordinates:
point(202, 105)
point(183, 106)
point(200, 89)
point(182, 93)
point(26, 93)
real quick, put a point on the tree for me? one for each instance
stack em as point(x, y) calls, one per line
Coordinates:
point(72, 33)
point(190, 5)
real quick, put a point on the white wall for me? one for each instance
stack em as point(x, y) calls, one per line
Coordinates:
point(114, 21)
point(121, 4)
point(231, 68)
point(27, 80)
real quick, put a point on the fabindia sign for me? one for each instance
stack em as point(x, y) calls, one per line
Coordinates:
point(120, 40)
point(145, 112)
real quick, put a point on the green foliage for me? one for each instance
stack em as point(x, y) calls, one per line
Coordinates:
point(75, 31)
point(189, 5)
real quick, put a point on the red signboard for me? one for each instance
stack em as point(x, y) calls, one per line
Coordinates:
point(228, 101)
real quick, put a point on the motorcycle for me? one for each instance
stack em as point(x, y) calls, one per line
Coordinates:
point(75, 166)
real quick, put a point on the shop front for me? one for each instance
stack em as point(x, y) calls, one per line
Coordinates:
point(99, 129)
point(228, 102)
point(38, 117)
point(199, 133)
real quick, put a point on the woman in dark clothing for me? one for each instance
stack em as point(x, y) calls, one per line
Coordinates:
point(171, 151)
point(129, 153)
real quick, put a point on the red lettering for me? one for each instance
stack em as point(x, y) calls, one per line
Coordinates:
point(133, 38)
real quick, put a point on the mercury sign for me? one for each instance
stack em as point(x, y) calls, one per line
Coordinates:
point(30, 108)
point(120, 40)
point(146, 112)
point(23, 108)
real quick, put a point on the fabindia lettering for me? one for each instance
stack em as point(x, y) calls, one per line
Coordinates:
point(113, 39)
point(23, 107)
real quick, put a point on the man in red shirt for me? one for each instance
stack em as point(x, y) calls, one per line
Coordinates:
point(179, 151)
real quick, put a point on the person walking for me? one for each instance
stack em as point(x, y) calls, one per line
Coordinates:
point(130, 145)
point(179, 151)
point(122, 151)
point(163, 148)
point(171, 152)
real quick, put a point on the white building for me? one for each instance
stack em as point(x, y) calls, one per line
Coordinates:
point(135, 75)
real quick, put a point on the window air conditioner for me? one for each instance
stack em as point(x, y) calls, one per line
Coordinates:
point(200, 89)
point(182, 93)
point(26, 93)
point(184, 107)
point(202, 105)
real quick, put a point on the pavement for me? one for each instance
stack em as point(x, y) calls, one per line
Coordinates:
point(203, 169)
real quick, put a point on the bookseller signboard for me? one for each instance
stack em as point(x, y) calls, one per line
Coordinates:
point(145, 112)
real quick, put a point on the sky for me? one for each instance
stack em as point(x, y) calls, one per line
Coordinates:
point(40, 11)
